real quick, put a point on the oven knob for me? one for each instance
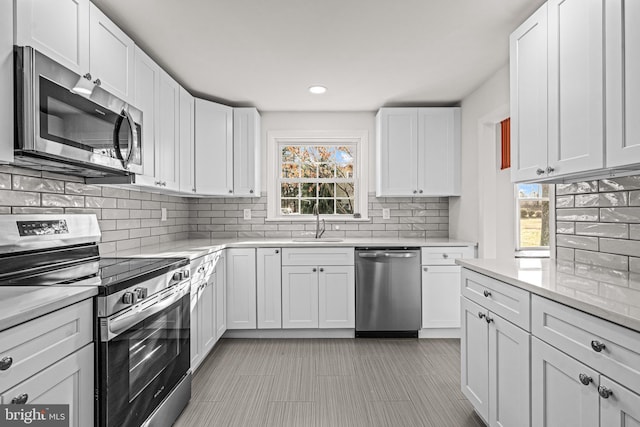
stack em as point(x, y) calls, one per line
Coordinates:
point(129, 298)
point(180, 275)
point(141, 293)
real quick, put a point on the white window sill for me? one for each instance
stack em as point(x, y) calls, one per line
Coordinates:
point(313, 219)
point(533, 253)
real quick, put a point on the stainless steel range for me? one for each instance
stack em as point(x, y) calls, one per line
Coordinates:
point(142, 313)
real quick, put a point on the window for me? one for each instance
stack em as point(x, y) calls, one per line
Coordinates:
point(316, 169)
point(317, 175)
point(532, 210)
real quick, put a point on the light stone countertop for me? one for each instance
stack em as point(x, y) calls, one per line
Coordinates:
point(612, 295)
point(195, 248)
point(19, 304)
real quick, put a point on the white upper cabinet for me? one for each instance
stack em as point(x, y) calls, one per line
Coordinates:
point(58, 29)
point(167, 143)
point(147, 82)
point(187, 141)
point(418, 152)
point(111, 55)
point(396, 149)
point(213, 148)
point(574, 121)
point(576, 89)
point(6, 81)
point(79, 36)
point(528, 50)
point(622, 82)
point(439, 151)
point(246, 152)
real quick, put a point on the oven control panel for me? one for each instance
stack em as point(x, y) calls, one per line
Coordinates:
point(39, 228)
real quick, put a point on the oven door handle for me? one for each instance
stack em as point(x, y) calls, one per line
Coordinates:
point(116, 325)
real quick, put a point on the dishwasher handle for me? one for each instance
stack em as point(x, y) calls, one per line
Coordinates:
point(387, 254)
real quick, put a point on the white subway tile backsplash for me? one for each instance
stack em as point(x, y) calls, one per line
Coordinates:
point(619, 231)
point(622, 183)
point(602, 259)
point(628, 215)
point(584, 214)
point(620, 246)
point(577, 242)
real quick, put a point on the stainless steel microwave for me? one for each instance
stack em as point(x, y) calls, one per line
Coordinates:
point(67, 123)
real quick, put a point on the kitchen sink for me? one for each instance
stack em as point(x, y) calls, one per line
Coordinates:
point(313, 239)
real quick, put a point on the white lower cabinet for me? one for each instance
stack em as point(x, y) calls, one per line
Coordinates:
point(299, 297)
point(269, 288)
point(221, 295)
point(336, 297)
point(67, 382)
point(52, 362)
point(495, 366)
point(441, 296)
point(620, 410)
point(559, 398)
point(241, 288)
point(207, 301)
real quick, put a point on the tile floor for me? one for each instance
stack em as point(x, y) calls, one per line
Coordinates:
point(330, 382)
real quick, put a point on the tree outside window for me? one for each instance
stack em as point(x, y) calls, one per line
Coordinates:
point(322, 175)
point(532, 210)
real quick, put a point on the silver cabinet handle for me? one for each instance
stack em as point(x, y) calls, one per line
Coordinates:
point(321, 269)
point(230, 191)
point(415, 191)
point(250, 191)
point(597, 346)
point(425, 268)
point(277, 251)
point(539, 171)
point(481, 315)
point(5, 363)
point(550, 169)
point(97, 82)
point(488, 319)
point(445, 256)
point(487, 294)
point(585, 379)
point(420, 191)
point(314, 270)
point(21, 399)
point(604, 392)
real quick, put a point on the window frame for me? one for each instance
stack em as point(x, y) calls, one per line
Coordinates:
point(277, 139)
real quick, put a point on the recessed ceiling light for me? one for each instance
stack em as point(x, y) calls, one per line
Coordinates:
point(317, 90)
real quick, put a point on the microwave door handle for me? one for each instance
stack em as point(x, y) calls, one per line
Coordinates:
point(135, 138)
point(133, 132)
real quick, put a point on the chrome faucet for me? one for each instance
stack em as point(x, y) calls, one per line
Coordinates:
point(316, 213)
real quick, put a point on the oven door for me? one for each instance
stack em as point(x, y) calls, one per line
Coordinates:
point(140, 361)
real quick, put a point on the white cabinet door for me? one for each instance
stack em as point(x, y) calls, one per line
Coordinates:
point(147, 83)
point(396, 151)
point(474, 350)
point(336, 297)
point(529, 111)
point(241, 288)
point(194, 329)
point(246, 152)
point(111, 55)
point(441, 296)
point(207, 302)
point(299, 297)
point(187, 142)
point(438, 151)
point(58, 29)
point(269, 288)
point(622, 82)
point(576, 86)
point(509, 386)
point(558, 397)
point(67, 382)
point(622, 409)
point(213, 149)
point(168, 147)
point(221, 299)
point(6, 81)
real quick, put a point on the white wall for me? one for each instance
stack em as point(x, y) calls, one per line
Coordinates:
point(484, 211)
point(361, 121)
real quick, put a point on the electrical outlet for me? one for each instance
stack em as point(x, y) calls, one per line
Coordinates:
point(163, 214)
point(386, 213)
point(336, 227)
point(247, 214)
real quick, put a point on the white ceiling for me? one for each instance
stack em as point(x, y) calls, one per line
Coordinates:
point(368, 53)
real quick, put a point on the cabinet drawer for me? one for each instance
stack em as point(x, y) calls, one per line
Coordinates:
point(317, 256)
point(573, 332)
point(203, 266)
point(503, 299)
point(445, 255)
point(36, 344)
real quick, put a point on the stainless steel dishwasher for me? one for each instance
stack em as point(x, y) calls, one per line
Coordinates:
point(388, 292)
